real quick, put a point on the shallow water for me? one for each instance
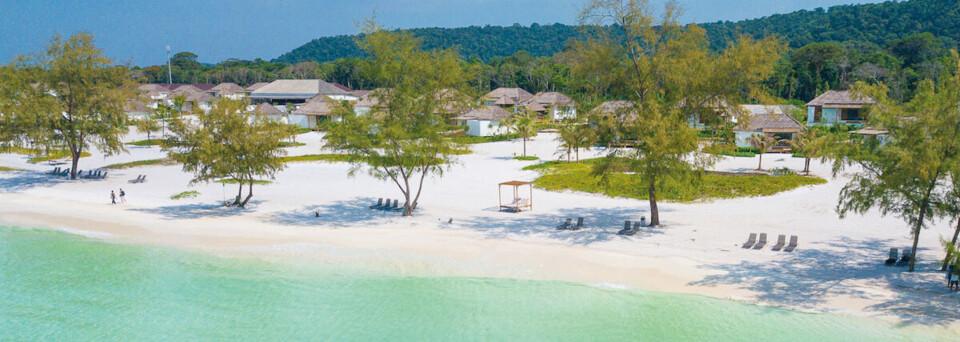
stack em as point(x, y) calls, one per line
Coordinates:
point(57, 286)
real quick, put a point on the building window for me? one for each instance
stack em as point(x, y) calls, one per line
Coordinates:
point(818, 114)
point(852, 114)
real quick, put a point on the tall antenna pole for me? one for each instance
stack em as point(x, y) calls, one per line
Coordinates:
point(169, 71)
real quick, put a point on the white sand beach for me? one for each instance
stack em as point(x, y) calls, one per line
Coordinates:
point(838, 266)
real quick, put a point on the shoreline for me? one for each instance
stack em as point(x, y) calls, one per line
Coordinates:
point(393, 250)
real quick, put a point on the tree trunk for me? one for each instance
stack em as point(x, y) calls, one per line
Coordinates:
point(75, 159)
point(806, 166)
point(760, 164)
point(249, 194)
point(953, 241)
point(524, 146)
point(916, 229)
point(654, 212)
point(577, 151)
point(236, 201)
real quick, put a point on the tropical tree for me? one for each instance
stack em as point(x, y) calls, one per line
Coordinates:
point(147, 124)
point(669, 76)
point(69, 97)
point(402, 139)
point(522, 124)
point(762, 142)
point(574, 135)
point(803, 144)
point(227, 142)
point(908, 175)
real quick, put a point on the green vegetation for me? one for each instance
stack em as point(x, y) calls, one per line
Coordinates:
point(290, 144)
point(526, 158)
point(559, 176)
point(55, 155)
point(330, 158)
point(162, 161)
point(466, 139)
point(730, 150)
point(6, 169)
point(39, 155)
point(145, 142)
point(185, 194)
point(234, 181)
point(88, 110)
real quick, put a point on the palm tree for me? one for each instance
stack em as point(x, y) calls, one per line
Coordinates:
point(521, 123)
point(574, 135)
point(801, 144)
point(762, 142)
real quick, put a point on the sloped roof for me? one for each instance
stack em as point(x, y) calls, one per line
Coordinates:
point(487, 113)
point(753, 109)
point(776, 122)
point(839, 97)
point(549, 98)
point(197, 86)
point(297, 89)
point(319, 105)
point(360, 93)
point(342, 87)
point(153, 87)
point(371, 98)
point(517, 95)
point(267, 109)
point(199, 96)
point(620, 108)
point(256, 86)
point(228, 88)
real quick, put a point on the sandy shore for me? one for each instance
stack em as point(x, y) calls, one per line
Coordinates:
point(837, 268)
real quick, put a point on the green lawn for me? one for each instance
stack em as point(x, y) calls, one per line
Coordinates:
point(162, 161)
point(234, 181)
point(330, 158)
point(5, 169)
point(290, 144)
point(185, 194)
point(526, 158)
point(466, 139)
point(40, 155)
point(557, 176)
point(153, 142)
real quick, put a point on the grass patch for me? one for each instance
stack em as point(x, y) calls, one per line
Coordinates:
point(290, 144)
point(557, 176)
point(185, 194)
point(148, 162)
point(466, 139)
point(39, 155)
point(55, 155)
point(234, 181)
point(152, 142)
point(6, 169)
point(731, 150)
point(526, 158)
point(330, 158)
point(542, 166)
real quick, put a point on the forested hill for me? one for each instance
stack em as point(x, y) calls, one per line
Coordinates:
point(874, 23)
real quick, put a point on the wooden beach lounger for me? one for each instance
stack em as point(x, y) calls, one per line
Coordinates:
point(579, 224)
point(565, 224)
point(905, 258)
point(626, 228)
point(781, 241)
point(892, 259)
point(762, 242)
point(750, 241)
point(132, 181)
point(792, 245)
point(378, 205)
point(516, 205)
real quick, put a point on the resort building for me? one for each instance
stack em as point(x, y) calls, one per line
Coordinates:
point(552, 104)
point(298, 92)
point(199, 99)
point(506, 97)
point(253, 87)
point(228, 90)
point(834, 106)
point(310, 114)
point(485, 121)
point(270, 112)
point(768, 119)
point(368, 101)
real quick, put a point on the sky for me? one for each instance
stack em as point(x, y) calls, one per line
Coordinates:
point(138, 31)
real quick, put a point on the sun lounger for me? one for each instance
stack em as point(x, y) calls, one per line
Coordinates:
point(781, 241)
point(762, 242)
point(515, 205)
point(750, 241)
point(905, 258)
point(636, 227)
point(793, 244)
point(391, 206)
point(892, 259)
point(56, 171)
point(565, 224)
point(103, 175)
point(133, 181)
point(378, 205)
point(143, 179)
point(626, 228)
point(579, 224)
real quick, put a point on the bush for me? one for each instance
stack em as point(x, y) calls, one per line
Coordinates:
point(710, 185)
point(526, 158)
point(466, 139)
point(331, 158)
point(290, 144)
point(730, 150)
point(5, 169)
point(782, 172)
point(185, 194)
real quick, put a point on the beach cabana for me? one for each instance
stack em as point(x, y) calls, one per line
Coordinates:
point(518, 203)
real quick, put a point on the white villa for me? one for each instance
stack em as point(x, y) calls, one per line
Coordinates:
point(485, 121)
point(506, 97)
point(228, 90)
point(768, 119)
point(298, 92)
point(270, 112)
point(834, 106)
point(553, 104)
point(314, 111)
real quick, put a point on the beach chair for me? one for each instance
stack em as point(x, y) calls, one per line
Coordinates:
point(143, 179)
point(103, 175)
point(579, 224)
point(781, 241)
point(793, 244)
point(626, 228)
point(762, 242)
point(378, 205)
point(636, 227)
point(905, 258)
point(391, 206)
point(892, 259)
point(750, 241)
point(137, 180)
point(565, 224)
point(55, 171)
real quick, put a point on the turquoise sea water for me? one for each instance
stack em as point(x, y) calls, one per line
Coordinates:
point(56, 286)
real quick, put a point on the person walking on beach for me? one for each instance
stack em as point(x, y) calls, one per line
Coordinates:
point(123, 198)
point(113, 197)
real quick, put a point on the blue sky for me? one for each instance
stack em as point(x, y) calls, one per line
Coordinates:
point(139, 31)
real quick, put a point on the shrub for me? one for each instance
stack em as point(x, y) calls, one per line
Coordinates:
point(526, 158)
point(185, 194)
point(466, 139)
point(162, 161)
